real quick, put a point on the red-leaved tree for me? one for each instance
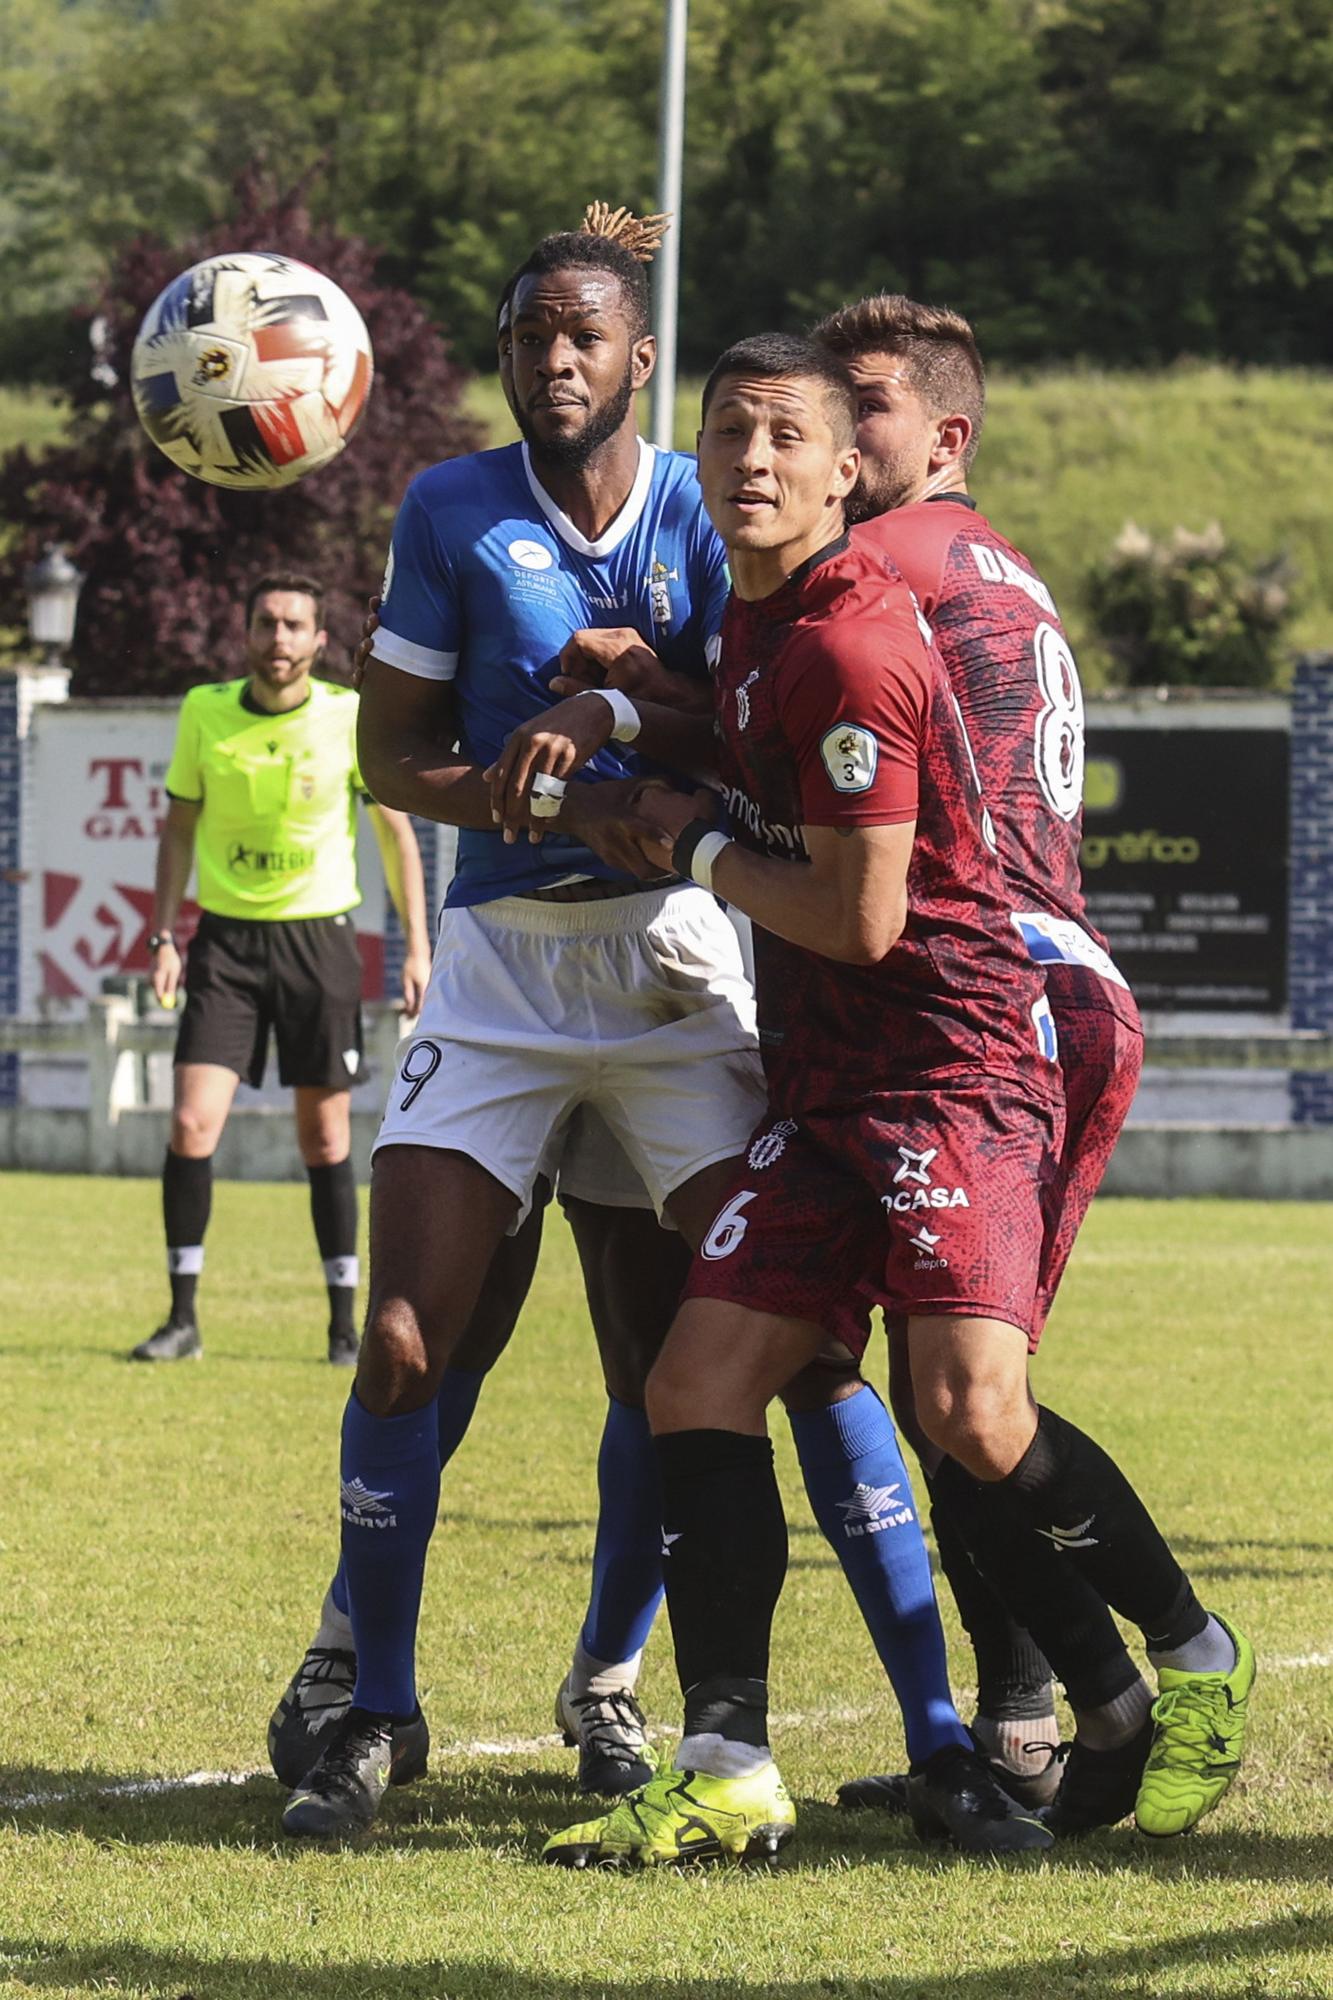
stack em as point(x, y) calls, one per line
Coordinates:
point(167, 558)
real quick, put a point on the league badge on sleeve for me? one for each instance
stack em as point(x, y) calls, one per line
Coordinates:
point(850, 755)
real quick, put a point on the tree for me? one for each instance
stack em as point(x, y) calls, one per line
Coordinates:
point(168, 559)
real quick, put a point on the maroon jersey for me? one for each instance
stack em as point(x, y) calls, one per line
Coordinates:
point(832, 711)
point(1009, 663)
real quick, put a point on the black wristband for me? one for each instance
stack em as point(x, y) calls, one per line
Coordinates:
point(158, 939)
point(682, 853)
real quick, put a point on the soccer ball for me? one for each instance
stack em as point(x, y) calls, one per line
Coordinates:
point(251, 370)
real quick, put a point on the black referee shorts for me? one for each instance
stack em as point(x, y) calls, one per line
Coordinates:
point(302, 978)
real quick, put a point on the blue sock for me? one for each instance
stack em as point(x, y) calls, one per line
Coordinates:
point(627, 1557)
point(862, 1499)
point(390, 1493)
point(459, 1390)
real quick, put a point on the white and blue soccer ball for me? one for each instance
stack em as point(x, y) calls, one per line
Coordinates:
point(251, 370)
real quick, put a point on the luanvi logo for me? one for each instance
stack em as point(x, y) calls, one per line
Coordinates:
point(363, 1509)
point(872, 1509)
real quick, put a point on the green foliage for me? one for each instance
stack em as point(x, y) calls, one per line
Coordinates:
point(1187, 612)
point(169, 1533)
point(1124, 180)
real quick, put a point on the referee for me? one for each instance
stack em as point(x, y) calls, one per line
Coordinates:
point(263, 785)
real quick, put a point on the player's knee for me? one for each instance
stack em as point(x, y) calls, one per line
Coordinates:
point(398, 1371)
point(972, 1421)
point(323, 1149)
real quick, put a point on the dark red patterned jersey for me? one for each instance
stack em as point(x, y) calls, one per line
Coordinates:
point(834, 711)
point(1009, 663)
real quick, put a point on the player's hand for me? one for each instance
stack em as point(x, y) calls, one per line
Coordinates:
point(416, 972)
point(370, 625)
point(166, 974)
point(609, 817)
point(554, 745)
point(667, 813)
point(616, 657)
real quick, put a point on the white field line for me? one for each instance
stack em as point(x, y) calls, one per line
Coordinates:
point(506, 1746)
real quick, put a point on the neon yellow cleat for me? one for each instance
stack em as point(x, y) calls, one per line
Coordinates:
point(1197, 1743)
point(683, 1816)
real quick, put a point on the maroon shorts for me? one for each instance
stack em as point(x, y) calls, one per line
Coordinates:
point(923, 1201)
point(1101, 1055)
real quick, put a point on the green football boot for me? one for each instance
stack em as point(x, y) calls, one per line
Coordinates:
point(683, 1816)
point(1197, 1741)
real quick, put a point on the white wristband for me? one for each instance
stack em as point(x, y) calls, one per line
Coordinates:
point(705, 854)
point(628, 721)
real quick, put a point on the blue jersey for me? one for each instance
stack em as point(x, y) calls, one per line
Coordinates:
point(487, 579)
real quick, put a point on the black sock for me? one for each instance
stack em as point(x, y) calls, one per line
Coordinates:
point(1048, 1596)
point(1013, 1674)
point(1067, 1489)
point(725, 1537)
point(187, 1197)
point(333, 1211)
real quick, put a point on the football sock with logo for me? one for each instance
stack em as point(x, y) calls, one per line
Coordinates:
point(1067, 1491)
point(187, 1197)
point(627, 1555)
point(861, 1496)
point(1065, 1616)
point(726, 1557)
point(333, 1211)
point(455, 1405)
point(390, 1493)
point(1013, 1674)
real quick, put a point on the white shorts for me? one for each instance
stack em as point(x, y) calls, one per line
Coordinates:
point(588, 1164)
point(635, 1006)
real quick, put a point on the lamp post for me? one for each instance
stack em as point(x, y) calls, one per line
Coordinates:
point(53, 587)
point(666, 271)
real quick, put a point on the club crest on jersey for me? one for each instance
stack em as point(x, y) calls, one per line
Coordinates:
point(771, 1145)
point(657, 580)
point(850, 756)
point(743, 699)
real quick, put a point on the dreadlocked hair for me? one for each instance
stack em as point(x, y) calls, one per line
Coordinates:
point(583, 250)
point(641, 235)
point(937, 345)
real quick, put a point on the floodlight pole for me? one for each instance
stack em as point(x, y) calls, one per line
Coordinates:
point(666, 270)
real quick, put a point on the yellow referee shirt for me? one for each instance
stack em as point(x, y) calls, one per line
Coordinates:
point(277, 834)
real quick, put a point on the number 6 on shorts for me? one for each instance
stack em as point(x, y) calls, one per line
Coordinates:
point(729, 1227)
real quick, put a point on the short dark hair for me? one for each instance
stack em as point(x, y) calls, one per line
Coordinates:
point(937, 344)
point(771, 356)
point(285, 579)
point(576, 249)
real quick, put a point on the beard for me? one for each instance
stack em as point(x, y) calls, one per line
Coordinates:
point(878, 490)
point(571, 454)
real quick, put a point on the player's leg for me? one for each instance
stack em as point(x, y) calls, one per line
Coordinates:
point(861, 1495)
point(320, 1691)
point(436, 1219)
point(1044, 1484)
point(324, 1136)
point(633, 1271)
point(222, 1037)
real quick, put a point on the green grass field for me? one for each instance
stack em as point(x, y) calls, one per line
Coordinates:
point(168, 1534)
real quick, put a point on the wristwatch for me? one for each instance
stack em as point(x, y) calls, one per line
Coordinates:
point(158, 939)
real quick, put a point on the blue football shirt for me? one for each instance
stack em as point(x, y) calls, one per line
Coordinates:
point(487, 579)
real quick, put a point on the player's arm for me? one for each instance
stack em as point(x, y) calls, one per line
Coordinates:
point(563, 739)
point(849, 904)
point(406, 882)
point(617, 657)
point(407, 748)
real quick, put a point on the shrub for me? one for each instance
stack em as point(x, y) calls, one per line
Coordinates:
point(1187, 610)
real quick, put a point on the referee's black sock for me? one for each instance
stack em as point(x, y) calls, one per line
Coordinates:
point(725, 1549)
point(333, 1210)
point(187, 1197)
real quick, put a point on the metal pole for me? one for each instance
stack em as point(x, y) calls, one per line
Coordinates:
point(670, 155)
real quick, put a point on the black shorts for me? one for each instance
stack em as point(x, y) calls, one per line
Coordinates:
point(301, 978)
